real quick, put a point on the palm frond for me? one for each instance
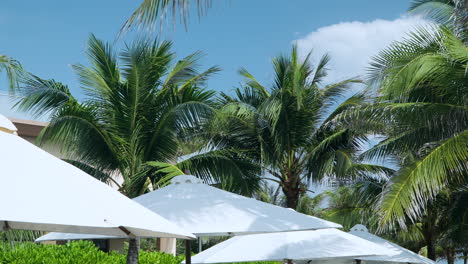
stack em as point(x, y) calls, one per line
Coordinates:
point(151, 11)
point(104, 74)
point(13, 70)
point(441, 11)
point(232, 170)
point(321, 70)
point(77, 131)
point(252, 83)
point(416, 184)
point(42, 96)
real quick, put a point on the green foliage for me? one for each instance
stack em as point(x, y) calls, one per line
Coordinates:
point(76, 252)
point(79, 252)
point(424, 93)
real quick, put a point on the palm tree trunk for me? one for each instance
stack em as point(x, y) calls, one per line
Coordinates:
point(429, 233)
point(291, 192)
point(450, 255)
point(431, 250)
point(133, 248)
point(291, 200)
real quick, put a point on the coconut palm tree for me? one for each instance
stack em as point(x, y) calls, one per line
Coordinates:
point(289, 129)
point(424, 93)
point(139, 108)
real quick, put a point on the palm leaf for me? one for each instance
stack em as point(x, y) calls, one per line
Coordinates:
point(42, 96)
point(13, 70)
point(150, 11)
point(416, 184)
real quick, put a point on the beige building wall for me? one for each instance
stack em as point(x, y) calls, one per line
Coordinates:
point(117, 245)
point(168, 245)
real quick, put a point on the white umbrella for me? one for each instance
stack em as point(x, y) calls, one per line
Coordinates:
point(6, 125)
point(394, 252)
point(41, 192)
point(209, 211)
point(320, 244)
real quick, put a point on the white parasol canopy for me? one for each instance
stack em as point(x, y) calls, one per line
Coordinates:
point(41, 192)
point(395, 253)
point(323, 244)
point(209, 211)
point(6, 125)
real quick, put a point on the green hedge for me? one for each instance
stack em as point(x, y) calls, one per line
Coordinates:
point(79, 252)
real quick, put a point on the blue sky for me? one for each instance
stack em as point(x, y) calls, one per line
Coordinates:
point(48, 36)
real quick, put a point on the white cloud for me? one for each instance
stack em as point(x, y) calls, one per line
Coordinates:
point(352, 44)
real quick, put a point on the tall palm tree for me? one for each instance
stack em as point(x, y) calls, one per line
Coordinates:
point(289, 129)
point(424, 93)
point(139, 109)
point(12, 69)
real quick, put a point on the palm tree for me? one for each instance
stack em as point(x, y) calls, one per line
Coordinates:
point(12, 68)
point(139, 109)
point(443, 225)
point(424, 93)
point(289, 130)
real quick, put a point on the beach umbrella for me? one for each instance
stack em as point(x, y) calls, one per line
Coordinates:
point(323, 244)
point(208, 211)
point(394, 252)
point(41, 192)
point(6, 125)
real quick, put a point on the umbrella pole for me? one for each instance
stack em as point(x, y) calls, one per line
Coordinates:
point(358, 261)
point(199, 245)
point(188, 253)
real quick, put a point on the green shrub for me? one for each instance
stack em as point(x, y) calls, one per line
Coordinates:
point(78, 252)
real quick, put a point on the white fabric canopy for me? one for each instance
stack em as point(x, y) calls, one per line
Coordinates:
point(41, 192)
point(6, 125)
point(320, 244)
point(209, 211)
point(395, 253)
